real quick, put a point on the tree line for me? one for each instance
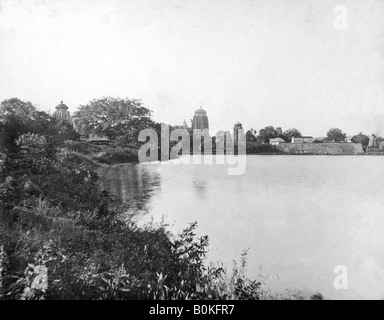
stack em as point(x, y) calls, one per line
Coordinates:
point(333, 135)
point(118, 119)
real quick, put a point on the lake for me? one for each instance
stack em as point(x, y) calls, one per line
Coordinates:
point(298, 216)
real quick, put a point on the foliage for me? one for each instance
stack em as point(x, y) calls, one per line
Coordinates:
point(249, 136)
point(291, 133)
point(262, 149)
point(24, 111)
point(361, 138)
point(51, 254)
point(114, 117)
point(319, 140)
point(267, 133)
point(270, 133)
point(336, 135)
point(31, 140)
point(103, 154)
point(61, 237)
point(117, 156)
point(18, 118)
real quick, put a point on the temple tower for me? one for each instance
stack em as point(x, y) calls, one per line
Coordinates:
point(200, 120)
point(238, 126)
point(62, 113)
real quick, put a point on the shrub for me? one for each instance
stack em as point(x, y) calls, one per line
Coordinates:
point(63, 238)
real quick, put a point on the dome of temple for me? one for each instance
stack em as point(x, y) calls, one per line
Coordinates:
point(200, 120)
point(62, 113)
point(200, 110)
point(61, 106)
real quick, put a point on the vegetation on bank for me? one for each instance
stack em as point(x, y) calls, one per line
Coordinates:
point(102, 154)
point(61, 237)
point(262, 149)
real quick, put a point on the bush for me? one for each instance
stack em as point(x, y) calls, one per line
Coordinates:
point(82, 147)
point(49, 253)
point(119, 156)
point(61, 237)
point(263, 148)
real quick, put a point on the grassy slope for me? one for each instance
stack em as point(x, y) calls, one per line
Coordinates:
point(61, 238)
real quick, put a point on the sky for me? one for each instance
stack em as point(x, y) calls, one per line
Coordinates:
point(307, 64)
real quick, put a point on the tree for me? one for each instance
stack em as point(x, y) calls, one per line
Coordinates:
point(114, 117)
point(55, 130)
point(361, 138)
point(290, 133)
point(336, 135)
point(267, 133)
point(249, 136)
point(15, 118)
point(17, 108)
point(379, 140)
point(18, 117)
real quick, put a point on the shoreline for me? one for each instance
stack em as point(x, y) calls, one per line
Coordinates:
point(100, 155)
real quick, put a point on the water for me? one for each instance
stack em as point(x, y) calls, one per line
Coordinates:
point(300, 216)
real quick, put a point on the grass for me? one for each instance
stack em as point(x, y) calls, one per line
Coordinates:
point(61, 237)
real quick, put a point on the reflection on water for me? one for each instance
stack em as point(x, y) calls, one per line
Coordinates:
point(300, 216)
point(135, 184)
point(199, 187)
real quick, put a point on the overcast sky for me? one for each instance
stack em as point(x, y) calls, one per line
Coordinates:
point(282, 63)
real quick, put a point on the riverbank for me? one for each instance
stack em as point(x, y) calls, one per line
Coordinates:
point(61, 237)
point(113, 154)
point(103, 154)
point(332, 198)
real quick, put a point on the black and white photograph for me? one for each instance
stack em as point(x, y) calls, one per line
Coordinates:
point(194, 150)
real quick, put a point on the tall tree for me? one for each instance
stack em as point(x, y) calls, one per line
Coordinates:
point(19, 117)
point(17, 108)
point(16, 118)
point(267, 133)
point(361, 138)
point(114, 117)
point(290, 133)
point(249, 136)
point(336, 135)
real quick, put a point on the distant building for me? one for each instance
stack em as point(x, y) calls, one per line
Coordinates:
point(62, 113)
point(238, 126)
point(200, 120)
point(276, 141)
point(302, 139)
point(373, 141)
point(279, 131)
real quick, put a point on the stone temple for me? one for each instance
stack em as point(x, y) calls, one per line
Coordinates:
point(62, 113)
point(238, 126)
point(200, 121)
